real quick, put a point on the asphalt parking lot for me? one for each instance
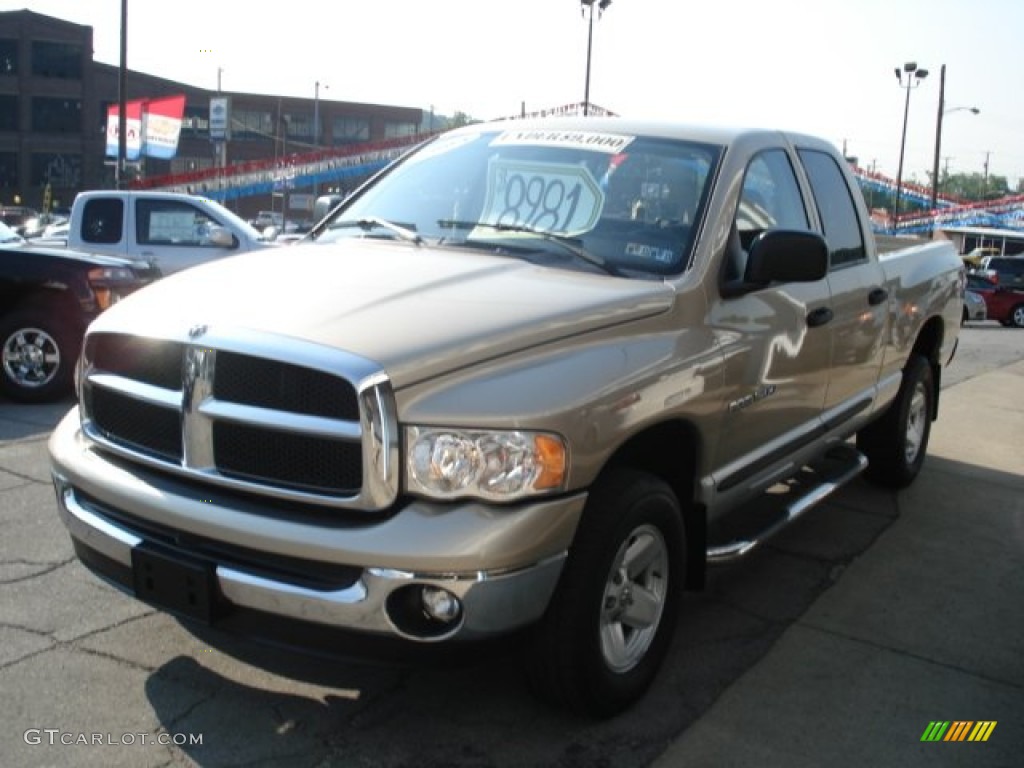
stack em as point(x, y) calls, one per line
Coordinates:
point(837, 644)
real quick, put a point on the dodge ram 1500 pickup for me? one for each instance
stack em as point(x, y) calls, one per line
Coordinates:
point(543, 375)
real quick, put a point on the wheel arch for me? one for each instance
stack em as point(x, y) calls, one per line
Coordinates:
point(669, 450)
point(928, 344)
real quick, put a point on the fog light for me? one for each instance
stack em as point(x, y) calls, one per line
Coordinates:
point(440, 604)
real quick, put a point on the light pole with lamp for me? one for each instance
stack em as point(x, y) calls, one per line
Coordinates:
point(914, 78)
point(938, 132)
point(316, 128)
point(601, 5)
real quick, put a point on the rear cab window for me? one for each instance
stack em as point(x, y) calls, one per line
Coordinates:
point(836, 209)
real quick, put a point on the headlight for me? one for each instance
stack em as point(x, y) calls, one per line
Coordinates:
point(494, 465)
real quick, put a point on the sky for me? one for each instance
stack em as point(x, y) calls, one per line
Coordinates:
point(824, 67)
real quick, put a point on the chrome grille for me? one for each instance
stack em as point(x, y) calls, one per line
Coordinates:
point(298, 461)
point(282, 386)
point(145, 360)
point(150, 428)
point(227, 410)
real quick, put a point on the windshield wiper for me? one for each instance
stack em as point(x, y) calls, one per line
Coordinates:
point(569, 244)
point(376, 222)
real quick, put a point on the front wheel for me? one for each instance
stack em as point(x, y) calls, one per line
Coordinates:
point(897, 442)
point(608, 627)
point(37, 356)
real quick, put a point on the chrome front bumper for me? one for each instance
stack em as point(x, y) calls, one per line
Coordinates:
point(98, 499)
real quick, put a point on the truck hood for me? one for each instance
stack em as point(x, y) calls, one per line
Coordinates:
point(416, 311)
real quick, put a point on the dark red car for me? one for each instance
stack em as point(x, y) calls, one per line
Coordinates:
point(1004, 304)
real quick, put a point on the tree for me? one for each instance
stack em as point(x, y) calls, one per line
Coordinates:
point(972, 186)
point(460, 119)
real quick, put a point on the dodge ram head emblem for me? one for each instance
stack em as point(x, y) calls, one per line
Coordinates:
point(197, 330)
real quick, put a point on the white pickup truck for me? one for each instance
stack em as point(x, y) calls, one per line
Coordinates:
point(173, 230)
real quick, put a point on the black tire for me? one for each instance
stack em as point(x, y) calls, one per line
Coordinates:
point(37, 356)
point(896, 443)
point(1017, 316)
point(598, 647)
point(963, 317)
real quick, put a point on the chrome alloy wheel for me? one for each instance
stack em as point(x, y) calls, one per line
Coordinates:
point(31, 357)
point(917, 423)
point(634, 598)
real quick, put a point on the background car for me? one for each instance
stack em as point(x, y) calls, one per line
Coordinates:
point(1002, 303)
point(47, 298)
point(975, 309)
point(1004, 270)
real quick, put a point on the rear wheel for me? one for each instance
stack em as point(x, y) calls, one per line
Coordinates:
point(609, 625)
point(897, 442)
point(37, 356)
point(1017, 316)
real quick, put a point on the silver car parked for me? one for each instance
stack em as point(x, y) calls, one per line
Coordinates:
point(974, 307)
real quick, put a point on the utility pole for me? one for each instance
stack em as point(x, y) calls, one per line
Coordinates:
point(122, 102)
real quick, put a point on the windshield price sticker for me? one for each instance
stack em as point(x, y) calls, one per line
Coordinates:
point(559, 198)
point(609, 143)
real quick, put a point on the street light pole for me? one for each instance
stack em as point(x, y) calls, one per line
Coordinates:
point(601, 5)
point(914, 78)
point(122, 102)
point(938, 133)
point(316, 128)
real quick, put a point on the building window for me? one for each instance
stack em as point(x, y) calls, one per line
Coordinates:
point(300, 127)
point(60, 60)
point(195, 122)
point(8, 112)
point(397, 130)
point(56, 115)
point(59, 170)
point(350, 130)
point(190, 164)
point(250, 124)
point(8, 57)
point(8, 170)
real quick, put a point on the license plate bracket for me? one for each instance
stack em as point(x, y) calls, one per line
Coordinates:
point(178, 585)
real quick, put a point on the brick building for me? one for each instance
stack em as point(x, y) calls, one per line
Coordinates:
point(54, 100)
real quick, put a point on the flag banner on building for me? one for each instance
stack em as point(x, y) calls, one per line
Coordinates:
point(153, 126)
point(133, 126)
point(161, 121)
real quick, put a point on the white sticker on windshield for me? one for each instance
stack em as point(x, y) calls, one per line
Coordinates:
point(609, 143)
point(561, 198)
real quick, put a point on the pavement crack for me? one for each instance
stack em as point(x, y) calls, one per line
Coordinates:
point(48, 568)
point(910, 655)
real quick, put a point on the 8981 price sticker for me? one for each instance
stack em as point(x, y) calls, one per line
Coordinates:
point(560, 198)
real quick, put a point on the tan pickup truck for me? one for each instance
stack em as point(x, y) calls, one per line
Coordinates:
point(530, 380)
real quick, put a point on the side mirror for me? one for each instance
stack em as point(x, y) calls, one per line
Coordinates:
point(270, 233)
point(221, 237)
point(787, 256)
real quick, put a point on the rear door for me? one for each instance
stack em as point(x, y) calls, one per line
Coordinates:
point(857, 285)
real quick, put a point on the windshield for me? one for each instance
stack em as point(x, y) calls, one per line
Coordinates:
point(625, 204)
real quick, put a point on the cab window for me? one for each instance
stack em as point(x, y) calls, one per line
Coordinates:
point(162, 222)
point(836, 208)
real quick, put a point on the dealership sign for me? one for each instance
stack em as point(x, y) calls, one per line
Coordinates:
point(220, 119)
point(152, 127)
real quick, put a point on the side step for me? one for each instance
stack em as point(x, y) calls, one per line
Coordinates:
point(808, 488)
